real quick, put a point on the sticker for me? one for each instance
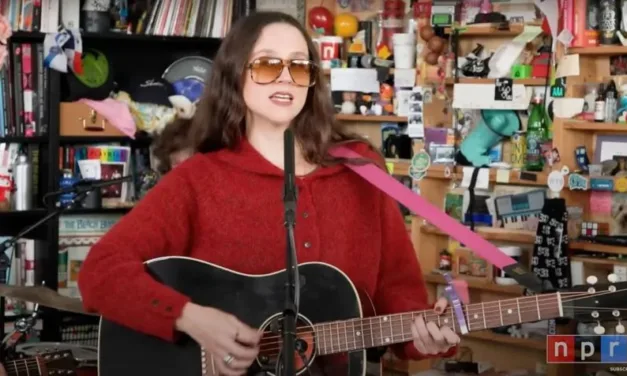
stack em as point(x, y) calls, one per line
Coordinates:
point(390, 167)
point(565, 37)
point(503, 89)
point(558, 90)
point(417, 175)
point(577, 182)
point(598, 184)
point(447, 172)
point(556, 181)
point(421, 161)
point(621, 185)
point(565, 170)
point(502, 176)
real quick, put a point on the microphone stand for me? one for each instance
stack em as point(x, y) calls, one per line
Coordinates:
point(80, 193)
point(292, 290)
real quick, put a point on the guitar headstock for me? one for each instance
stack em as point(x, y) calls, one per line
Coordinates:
point(597, 302)
point(59, 362)
point(47, 363)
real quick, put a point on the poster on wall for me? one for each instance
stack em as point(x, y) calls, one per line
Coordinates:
point(295, 8)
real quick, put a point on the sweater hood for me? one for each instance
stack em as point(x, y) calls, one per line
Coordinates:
point(245, 157)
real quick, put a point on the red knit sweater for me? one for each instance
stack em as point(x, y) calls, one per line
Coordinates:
point(226, 208)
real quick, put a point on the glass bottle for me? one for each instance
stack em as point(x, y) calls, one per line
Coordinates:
point(609, 15)
point(599, 105)
point(611, 97)
point(537, 134)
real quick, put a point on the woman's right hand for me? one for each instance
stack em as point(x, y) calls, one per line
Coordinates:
point(233, 344)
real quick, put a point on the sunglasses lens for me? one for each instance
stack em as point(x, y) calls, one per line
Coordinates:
point(303, 72)
point(265, 71)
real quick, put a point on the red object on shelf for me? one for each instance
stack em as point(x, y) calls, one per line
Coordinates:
point(422, 10)
point(393, 17)
point(540, 65)
point(321, 20)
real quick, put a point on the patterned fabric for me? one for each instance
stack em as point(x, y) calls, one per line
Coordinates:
point(550, 252)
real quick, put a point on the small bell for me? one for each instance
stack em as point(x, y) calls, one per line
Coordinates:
point(599, 329)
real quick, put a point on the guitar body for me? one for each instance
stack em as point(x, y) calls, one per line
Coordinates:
point(326, 295)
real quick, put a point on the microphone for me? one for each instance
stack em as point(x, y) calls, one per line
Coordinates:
point(102, 183)
point(88, 185)
point(292, 288)
point(290, 192)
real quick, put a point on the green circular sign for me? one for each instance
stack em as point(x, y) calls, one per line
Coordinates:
point(421, 161)
point(95, 70)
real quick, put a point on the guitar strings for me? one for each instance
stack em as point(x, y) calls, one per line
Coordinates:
point(24, 365)
point(341, 343)
point(488, 307)
point(427, 314)
point(326, 329)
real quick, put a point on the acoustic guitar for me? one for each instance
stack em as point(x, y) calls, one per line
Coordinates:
point(49, 364)
point(331, 319)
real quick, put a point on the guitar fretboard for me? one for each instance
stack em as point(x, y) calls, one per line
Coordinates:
point(363, 333)
point(29, 367)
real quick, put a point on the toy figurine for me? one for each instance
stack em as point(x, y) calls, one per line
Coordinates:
point(348, 103)
point(386, 99)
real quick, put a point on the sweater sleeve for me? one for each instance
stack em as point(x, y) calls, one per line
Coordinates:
point(113, 281)
point(400, 286)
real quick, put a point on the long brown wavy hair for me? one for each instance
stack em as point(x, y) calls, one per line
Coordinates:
point(219, 121)
point(171, 140)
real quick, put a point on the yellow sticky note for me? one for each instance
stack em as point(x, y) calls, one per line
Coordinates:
point(502, 176)
point(390, 167)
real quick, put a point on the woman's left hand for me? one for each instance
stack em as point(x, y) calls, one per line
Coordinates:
point(430, 339)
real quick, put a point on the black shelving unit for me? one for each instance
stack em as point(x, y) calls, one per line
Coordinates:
point(128, 55)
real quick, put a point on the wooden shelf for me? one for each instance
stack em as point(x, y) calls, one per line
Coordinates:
point(488, 335)
point(490, 30)
point(477, 284)
point(372, 118)
point(440, 172)
point(327, 72)
point(594, 247)
point(398, 166)
point(599, 50)
point(519, 81)
point(594, 127)
point(491, 233)
point(599, 260)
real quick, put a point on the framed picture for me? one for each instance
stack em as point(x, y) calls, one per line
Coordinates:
point(608, 147)
point(295, 8)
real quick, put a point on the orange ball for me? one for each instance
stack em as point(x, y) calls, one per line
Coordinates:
point(346, 25)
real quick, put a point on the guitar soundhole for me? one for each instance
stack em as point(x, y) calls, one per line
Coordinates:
point(272, 343)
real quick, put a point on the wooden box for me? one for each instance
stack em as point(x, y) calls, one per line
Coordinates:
point(78, 119)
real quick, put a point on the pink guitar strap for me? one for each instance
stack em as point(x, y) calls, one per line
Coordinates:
point(441, 220)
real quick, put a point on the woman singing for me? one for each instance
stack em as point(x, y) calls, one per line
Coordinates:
point(224, 205)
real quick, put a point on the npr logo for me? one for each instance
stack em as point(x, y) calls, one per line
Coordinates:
point(586, 349)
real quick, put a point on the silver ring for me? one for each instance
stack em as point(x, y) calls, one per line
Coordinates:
point(228, 359)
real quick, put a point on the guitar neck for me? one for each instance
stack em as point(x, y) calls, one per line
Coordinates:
point(30, 366)
point(363, 333)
